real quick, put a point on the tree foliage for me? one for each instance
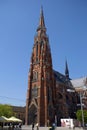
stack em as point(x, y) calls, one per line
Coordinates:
point(6, 110)
point(79, 115)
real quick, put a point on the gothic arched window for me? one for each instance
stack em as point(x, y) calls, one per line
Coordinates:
point(59, 96)
point(35, 76)
point(37, 51)
point(42, 45)
point(36, 48)
point(34, 91)
point(49, 94)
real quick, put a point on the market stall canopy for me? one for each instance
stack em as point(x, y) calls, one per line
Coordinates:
point(3, 119)
point(14, 119)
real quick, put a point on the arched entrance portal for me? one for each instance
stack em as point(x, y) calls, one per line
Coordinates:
point(32, 114)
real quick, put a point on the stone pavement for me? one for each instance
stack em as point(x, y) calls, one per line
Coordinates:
point(42, 128)
point(47, 128)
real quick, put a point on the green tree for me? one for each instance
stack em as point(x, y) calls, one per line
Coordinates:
point(79, 115)
point(6, 110)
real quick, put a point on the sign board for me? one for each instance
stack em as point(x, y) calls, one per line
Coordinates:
point(67, 123)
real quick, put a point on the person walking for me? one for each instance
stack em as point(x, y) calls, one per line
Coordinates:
point(37, 126)
point(32, 126)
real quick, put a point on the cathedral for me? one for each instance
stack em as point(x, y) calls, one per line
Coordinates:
point(48, 99)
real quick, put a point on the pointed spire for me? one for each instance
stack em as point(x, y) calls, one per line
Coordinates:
point(66, 70)
point(41, 21)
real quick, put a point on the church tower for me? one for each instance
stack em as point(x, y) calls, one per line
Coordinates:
point(41, 91)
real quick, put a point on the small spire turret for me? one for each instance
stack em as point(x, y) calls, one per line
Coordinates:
point(66, 70)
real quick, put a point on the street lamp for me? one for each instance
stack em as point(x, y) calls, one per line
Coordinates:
point(81, 94)
point(82, 109)
point(73, 110)
point(82, 97)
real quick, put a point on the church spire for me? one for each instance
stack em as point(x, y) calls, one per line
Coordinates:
point(66, 70)
point(41, 21)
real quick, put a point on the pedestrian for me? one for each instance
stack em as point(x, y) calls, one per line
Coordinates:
point(53, 126)
point(37, 126)
point(32, 126)
point(73, 127)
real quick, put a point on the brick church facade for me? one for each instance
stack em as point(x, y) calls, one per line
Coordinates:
point(47, 97)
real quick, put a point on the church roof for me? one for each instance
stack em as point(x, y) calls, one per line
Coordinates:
point(60, 77)
point(75, 83)
point(63, 79)
point(79, 83)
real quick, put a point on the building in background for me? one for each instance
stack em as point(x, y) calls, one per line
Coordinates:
point(19, 112)
point(80, 86)
point(47, 97)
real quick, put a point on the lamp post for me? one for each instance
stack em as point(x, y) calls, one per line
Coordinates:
point(71, 91)
point(81, 97)
point(82, 109)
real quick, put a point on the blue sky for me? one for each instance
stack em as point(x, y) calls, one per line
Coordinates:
point(66, 23)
